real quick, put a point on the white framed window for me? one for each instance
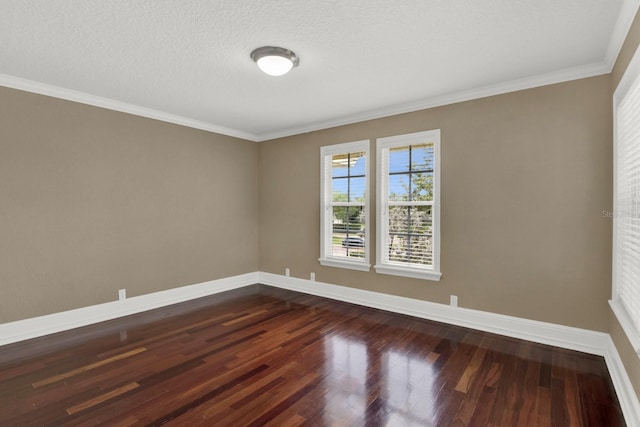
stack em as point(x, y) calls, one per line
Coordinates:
point(344, 205)
point(626, 203)
point(408, 205)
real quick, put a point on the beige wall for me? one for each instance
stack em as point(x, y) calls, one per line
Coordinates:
point(93, 200)
point(525, 178)
point(627, 354)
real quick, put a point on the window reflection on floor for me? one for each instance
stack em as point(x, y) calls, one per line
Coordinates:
point(407, 390)
point(406, 386)
point(346, 378)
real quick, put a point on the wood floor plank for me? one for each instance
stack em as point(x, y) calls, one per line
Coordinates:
point(102, 398)
point(86, 368)
point(470, 370)
point(267, 356)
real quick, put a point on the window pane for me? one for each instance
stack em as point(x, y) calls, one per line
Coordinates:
point(410, 219)
point(340, 189)
point(348, 235)
point(411, 234)
point(340, 165)
point(421, 220)
point(398, 188)
point(398, 248)
point(348, 164)
point(348, 181)
point(420, 250)
point(410, 248)
point(422, 157)
point(422, 186)
point(357, 189)
point(358, 164)
point(399, 159)
point(398, 219)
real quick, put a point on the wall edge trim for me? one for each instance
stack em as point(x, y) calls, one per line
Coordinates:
point(21, 330)
point(587, 341)
point(454, 97)
point(568, 337)
point(120, 106)
point(622, 384)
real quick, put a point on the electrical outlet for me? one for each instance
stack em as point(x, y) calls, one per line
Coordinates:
point(453, 301)
point(122, 294)
point(312, 276)
point(286, 272)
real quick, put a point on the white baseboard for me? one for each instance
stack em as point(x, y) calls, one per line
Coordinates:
point(57, 322)
point(587, 341)
point(541, 332)
point(624, 389)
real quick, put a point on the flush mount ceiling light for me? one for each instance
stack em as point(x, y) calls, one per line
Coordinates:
point(275, 61)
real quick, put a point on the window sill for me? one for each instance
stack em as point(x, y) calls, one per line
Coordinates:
point(353, 265)
point(415, 273)
point(627, 324)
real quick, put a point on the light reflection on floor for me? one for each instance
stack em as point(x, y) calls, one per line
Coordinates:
point(346, 378)
point(406, 385)
point(408, 390)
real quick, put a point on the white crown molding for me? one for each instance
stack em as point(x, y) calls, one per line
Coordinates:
point(560, 76)
point(34, 327)
point(626, 16)
point(627, 397)
point(568, 74)
point(621, 28)
point(110, 104)
point(620, 31)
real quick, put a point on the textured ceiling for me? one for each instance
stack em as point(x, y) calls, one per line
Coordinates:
point(188, 61)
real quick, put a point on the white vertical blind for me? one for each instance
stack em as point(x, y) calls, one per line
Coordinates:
point(626, 214)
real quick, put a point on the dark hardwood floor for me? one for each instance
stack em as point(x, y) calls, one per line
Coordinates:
point(263, 356)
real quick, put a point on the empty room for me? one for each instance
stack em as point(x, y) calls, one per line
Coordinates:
point(320, 213)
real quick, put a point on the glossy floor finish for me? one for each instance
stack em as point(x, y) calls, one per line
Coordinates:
point(263, 356)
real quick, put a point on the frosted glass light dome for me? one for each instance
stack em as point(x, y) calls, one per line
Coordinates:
point(275, 61)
